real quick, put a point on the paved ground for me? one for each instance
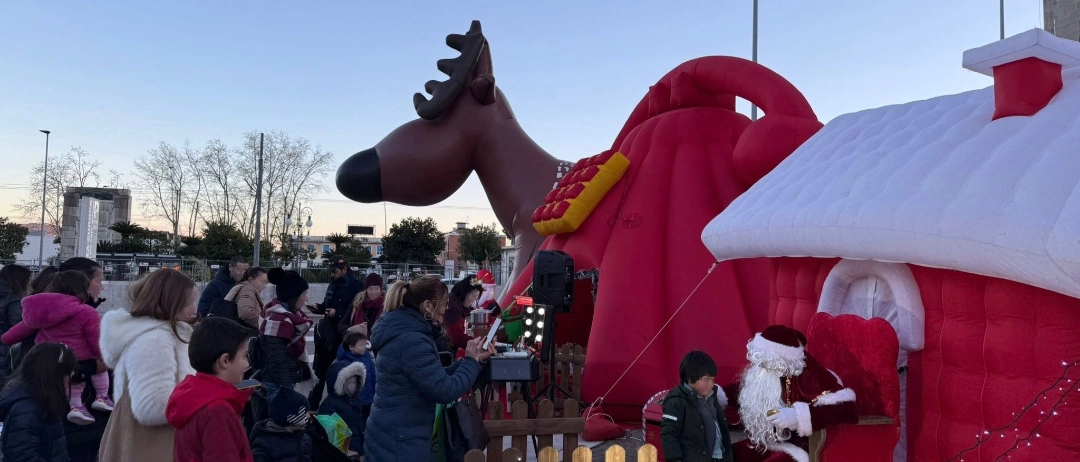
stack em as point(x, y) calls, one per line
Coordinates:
point(633, 440)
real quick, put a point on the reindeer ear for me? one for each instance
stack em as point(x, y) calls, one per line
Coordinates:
point(483, 88)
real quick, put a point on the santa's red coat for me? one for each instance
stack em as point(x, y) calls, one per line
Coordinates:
point(819, 399)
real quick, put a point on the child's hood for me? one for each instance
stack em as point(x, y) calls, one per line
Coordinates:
point(45, 310)
point(341, 371)
point(199, 391)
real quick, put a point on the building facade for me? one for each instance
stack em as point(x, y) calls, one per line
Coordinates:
point(1062, 18)
point(113, 205)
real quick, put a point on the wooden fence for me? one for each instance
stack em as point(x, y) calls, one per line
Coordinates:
point(569, 366)
point(519, 427)
point(615, 453)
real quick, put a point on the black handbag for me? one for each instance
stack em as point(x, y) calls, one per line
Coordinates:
point(464, 429)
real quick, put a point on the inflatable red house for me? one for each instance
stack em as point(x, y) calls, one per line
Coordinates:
point(957, 220)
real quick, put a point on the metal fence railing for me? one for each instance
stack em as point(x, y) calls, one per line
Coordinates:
point(129, 267)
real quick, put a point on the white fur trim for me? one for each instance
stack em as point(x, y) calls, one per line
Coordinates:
point(148, 347)
point(792, 450)
point(841, 396)
point(721, 396)
point(802, 413)
point(837, 377)
point(352, 370)
point(783, 351)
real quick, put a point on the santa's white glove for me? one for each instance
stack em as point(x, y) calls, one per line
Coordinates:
point(786, 418)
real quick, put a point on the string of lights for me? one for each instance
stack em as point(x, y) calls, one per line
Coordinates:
point(1064, 384)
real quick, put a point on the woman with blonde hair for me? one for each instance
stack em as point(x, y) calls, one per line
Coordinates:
point(412, 379)
point(147, 348)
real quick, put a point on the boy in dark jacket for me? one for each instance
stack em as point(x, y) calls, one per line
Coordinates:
point(693, 427)
point(205, 408)
point(282, 437)
point(355, 350)
point(343, 381)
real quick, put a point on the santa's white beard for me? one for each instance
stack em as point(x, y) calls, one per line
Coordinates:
point(761, 392)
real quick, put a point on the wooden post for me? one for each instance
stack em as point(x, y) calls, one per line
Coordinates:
point(615, 453)
point(548, 454)
point(582, 454)
point(570, 442)
point(519, 411)
point(495, 446)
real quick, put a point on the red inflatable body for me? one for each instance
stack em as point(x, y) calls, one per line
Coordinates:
point(690, 155)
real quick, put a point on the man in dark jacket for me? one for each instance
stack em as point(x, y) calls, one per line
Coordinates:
point(340, 293)
point(226, 278)
point(693, 427)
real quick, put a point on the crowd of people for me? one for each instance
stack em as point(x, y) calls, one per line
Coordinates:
point(186, 375)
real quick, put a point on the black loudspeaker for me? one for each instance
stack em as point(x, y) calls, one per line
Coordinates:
point(553, 280)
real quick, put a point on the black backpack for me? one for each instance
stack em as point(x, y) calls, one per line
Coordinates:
point(224, 308)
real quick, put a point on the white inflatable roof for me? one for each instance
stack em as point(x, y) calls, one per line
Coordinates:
point(933, 183)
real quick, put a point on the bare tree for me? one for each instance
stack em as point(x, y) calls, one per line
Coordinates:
point(163, 173)
point(218, 165)
point(194, 189)
point(73, 168)
point(292, 168)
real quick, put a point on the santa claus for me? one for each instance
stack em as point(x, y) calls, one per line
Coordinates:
point(487, 281)
point(784, 396)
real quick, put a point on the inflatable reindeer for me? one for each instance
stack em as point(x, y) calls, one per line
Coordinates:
point(466, 126)
point(683, 156)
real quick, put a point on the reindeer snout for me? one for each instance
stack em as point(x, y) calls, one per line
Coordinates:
point(359, 177)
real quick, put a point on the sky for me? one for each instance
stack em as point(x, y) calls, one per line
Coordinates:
point(117, 77)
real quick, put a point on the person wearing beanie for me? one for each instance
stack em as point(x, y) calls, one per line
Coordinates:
point(340, 293)
point(366, 306)
point(780, 417)
point(282, 327)
point(282, 437)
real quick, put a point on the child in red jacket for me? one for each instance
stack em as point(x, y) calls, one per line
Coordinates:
point(205, 408)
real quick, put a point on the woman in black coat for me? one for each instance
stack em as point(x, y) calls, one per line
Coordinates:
point(340, 293)
point(14, 282)
point(33, 406)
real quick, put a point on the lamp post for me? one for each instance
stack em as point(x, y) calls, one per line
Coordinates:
point(44, 187)
point(299, 231)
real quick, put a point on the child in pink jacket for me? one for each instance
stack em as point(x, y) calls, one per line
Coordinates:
point(61, 315)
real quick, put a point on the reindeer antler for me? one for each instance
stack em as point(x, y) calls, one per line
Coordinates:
point(444, 94)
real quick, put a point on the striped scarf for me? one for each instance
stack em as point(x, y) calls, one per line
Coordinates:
point(277, 321)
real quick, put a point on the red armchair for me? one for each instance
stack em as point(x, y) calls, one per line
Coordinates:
point(863, 352)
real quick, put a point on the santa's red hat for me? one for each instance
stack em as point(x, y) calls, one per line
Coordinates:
point(783, 341)
point(485, 277)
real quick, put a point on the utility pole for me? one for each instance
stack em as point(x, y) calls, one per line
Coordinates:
point(753, 107)
point(44, 187)
point(1002, 19)
point(258, 205)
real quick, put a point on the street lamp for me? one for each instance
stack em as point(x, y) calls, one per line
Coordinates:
point(299, 231)
point(44, 186)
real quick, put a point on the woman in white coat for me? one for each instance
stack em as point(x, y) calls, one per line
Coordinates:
point(147, 349)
